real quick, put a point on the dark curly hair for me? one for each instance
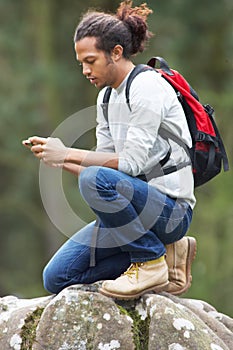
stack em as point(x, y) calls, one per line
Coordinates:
point(127, 28)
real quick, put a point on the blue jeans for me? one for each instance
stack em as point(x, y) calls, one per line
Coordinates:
point(135, 221)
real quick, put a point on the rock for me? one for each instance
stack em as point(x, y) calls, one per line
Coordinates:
point(174, 326)
point(210, 316)
point(18, 317)
point(83, 320)
point(79, 318)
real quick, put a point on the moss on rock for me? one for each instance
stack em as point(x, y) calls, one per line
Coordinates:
point(28, 332)
point(140, 326)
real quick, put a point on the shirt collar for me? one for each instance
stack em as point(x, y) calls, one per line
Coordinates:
point(122, 85)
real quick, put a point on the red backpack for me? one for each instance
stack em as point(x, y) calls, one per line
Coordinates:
point(207, 154)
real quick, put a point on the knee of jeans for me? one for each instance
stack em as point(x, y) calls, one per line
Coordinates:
point(87, 182)
point(50, 281)
point(87, 177)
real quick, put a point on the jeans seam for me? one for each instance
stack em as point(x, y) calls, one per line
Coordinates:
point(71, 263)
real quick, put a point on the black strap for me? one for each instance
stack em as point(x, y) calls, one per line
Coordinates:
point(163, 64)
point(157, 169)
point(210, 112)
point(166, 134)
point(106, 99)
point(137, 70)
point(211, 158)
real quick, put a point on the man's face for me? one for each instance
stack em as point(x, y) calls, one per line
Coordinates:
point(97, 66)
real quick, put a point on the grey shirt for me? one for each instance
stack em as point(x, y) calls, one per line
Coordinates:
point(134, 134)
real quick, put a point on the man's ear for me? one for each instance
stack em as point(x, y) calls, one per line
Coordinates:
point(117, 53)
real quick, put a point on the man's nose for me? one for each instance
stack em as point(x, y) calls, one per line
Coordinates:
point(86, 69)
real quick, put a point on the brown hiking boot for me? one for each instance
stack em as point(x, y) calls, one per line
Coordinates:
point(149, 276)
point(179, 258)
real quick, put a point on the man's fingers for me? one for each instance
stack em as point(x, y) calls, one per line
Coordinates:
point(35, 140)
point(39, 148)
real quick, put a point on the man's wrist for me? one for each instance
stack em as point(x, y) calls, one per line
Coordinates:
point(73, 155)
point(68, 155)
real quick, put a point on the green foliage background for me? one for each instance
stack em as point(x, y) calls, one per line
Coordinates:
point(41, 85)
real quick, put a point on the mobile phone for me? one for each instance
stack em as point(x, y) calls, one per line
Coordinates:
point(28, 143)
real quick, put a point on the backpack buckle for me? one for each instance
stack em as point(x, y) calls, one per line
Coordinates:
point(179, 96)
point(209, 109)
point(201, 136)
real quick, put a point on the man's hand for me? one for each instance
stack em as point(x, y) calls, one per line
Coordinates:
point(50, 150)
point(53, 153)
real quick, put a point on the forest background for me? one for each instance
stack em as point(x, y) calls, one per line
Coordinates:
point(41, 85)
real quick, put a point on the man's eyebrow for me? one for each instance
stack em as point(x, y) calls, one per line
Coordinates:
point(85, 58)
point(88, 57)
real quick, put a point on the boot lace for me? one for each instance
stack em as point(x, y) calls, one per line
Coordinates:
point(133, 270)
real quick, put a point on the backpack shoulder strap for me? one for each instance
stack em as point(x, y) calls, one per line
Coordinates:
point(105, 102)
point(137, 69)
point(163, 64)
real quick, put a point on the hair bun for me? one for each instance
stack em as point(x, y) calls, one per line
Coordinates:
point(135, 19)
point(125, 10)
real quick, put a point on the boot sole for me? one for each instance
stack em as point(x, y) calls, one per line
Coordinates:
point(156, 289)
point(192, 249)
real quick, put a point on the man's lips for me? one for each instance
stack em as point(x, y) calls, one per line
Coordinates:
point(92, 80)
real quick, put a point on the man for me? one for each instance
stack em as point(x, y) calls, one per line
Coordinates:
point(137, 221)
